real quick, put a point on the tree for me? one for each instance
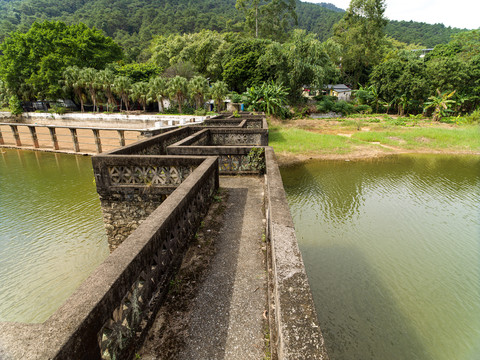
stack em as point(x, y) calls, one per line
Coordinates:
point(241, 67)
point(401, 75)
point(198, 88)
point(203, 50)
point(158, 91)
point(300, 61)
point(90, 78)
point(218, 92)
point(137, 71)
point(106, 80)
point(268, 18)
point(33, 62)
point(122, 87)
point(3, 94)
point(177, 88)
point(449, 73)
point(139, 93)
point(361, 35)
point(73, 79)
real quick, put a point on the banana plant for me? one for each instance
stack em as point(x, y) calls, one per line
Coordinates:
point(441, 104)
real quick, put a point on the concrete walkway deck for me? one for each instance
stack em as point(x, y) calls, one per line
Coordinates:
point(226, 320)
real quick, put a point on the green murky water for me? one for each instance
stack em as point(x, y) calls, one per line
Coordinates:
point(392, 251)
point(51, 231)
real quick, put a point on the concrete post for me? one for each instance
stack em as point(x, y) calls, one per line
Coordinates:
point(121, 136)
point(33, 132)
point(98, 142)
point(53, 135)
point(16, 135)
point(76, 145)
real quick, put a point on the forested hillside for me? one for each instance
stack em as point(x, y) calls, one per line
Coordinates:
point(132, 23)
point(428, 35)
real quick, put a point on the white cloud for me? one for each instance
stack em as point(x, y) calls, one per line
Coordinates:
point(458, 13)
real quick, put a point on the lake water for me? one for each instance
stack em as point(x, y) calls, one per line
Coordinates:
point(392, 251)
point(51, 231)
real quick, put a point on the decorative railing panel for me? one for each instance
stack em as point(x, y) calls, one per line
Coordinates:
point(148, 175)
point(132, 187)
point(131, 317)
point(236, 139)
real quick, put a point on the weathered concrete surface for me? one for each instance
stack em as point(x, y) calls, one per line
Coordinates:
point(298, 333)
point(227, 320)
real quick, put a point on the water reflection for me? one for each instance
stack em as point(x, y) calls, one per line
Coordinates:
point(350, 282)
point(392, 250)
point(51, 231)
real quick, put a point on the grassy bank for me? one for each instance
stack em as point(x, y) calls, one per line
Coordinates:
point(369, 136)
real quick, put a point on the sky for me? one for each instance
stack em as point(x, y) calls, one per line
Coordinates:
point(456, 13)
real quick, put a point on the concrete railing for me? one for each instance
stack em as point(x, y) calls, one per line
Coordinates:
point(114, 120)
point(296, 330)
point(83, 140)
point(155, 145)
point(115, 306)
point(232, 146)
point(131, 187)
point(257, 123)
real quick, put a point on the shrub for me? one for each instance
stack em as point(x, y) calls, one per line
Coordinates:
point(326, 105)
point(343, 107)
point(201, 112)
point(474, 117)
point(14, 105)
point(57, 109)
point(268, 97)
point(235, 97)
point(363, 109)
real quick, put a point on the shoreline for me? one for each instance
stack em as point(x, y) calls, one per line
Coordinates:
point(357, 139)
point(288, 159)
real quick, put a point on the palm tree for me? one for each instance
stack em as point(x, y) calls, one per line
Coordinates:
point(140, 93)
point(177, 88)
point(198, 88)
point(158, 91)
point(218, 92)
point(73, 80)
point(91, 80)
point(106, 79)
point(122, 86)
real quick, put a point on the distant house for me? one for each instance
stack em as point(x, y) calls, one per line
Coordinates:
point(341, 91)
point(422, 52)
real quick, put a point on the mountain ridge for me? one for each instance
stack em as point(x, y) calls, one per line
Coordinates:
point(134, 23)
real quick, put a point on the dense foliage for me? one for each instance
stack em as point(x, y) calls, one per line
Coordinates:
point(173, 51)
point(132, 24)
point(32, 63)
point(445, 81)
point(361, 35)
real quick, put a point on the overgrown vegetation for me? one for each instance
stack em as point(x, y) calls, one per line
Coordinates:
point(258, 55)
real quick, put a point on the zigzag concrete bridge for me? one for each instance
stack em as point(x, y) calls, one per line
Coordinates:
point(156, 195)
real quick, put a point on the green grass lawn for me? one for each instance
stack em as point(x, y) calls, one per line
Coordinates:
point(298, 141)
point(319, 137)
point(466, 138)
